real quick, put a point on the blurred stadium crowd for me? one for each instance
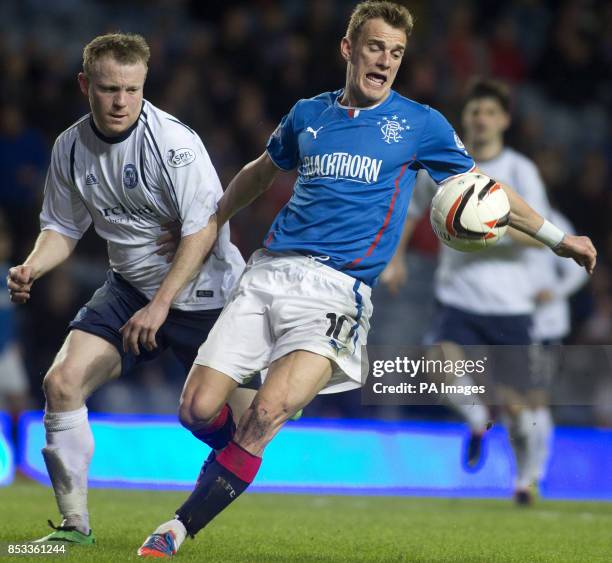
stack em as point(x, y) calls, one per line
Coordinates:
point(232, 69)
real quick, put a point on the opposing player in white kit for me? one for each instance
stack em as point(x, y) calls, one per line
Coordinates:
point(554, 281)
point(487, 298)
point(128, 168)
point(302, 307)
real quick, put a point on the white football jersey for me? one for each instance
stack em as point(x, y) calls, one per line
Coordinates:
point(562, 277)
point(494, 281)
point(129, 186)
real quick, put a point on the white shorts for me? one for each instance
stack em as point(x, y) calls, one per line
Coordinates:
point(287, 302)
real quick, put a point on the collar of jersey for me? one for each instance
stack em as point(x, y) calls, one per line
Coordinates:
point(376, 106)
point(118, 138)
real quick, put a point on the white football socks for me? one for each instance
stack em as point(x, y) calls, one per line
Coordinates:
point(67, 456)
point(544, 427)
point(523, 438)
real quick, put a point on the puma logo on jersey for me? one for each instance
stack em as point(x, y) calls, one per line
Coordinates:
point(314, 133)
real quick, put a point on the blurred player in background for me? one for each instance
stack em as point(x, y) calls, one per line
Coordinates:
point(555, 280)
point(487, 298)
point(128, 168)
point(303, 305)
point(14, 384)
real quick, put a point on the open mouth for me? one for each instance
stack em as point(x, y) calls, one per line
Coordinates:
point(376, 79)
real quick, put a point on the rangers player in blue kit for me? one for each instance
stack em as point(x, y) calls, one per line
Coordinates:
point(302, 308)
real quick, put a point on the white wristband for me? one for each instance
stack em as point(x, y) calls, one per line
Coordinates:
point(549, 235)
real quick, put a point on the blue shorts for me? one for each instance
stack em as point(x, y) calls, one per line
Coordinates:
point(116, 301)
point(469, 329)
point(505, 339)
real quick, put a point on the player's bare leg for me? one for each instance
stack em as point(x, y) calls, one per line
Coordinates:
point(292, 382)
point(203, 406)
point(240, 400)
point(83, 364)
point(205, 409)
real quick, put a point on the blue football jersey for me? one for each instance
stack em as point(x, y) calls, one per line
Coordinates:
point(356, 171)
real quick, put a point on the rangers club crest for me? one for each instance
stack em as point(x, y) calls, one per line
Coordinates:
point(130, 176)
point(392, 129)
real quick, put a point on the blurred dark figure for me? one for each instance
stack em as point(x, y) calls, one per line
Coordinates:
point(588, 198)
point(572, 68)
point(14, 386)
point(23, 159)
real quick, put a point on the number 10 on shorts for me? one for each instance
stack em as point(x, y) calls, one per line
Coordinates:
point(335, 326)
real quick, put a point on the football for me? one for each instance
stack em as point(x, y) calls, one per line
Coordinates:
point(470, 212)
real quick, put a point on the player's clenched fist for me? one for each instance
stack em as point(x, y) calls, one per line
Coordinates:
point(19, 281)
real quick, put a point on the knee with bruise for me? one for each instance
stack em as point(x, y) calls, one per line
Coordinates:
point(62, 383)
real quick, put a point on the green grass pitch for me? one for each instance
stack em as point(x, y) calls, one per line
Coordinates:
point(303, 528)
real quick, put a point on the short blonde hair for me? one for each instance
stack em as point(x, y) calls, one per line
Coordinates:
point(394, 14)
point(125, 48)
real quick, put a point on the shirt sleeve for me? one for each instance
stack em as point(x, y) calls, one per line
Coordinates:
point(529, 185)
point(283, 146)
point(63, 210)
point(441, 151)
point(193, 182)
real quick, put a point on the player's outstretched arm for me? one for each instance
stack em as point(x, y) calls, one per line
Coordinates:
point(191, 252)
point(525, 219)
point(523, 239)
point(50, 250)
point(254, 179)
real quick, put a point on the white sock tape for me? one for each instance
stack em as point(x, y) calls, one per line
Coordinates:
point(59, 421)
point(549, 235)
